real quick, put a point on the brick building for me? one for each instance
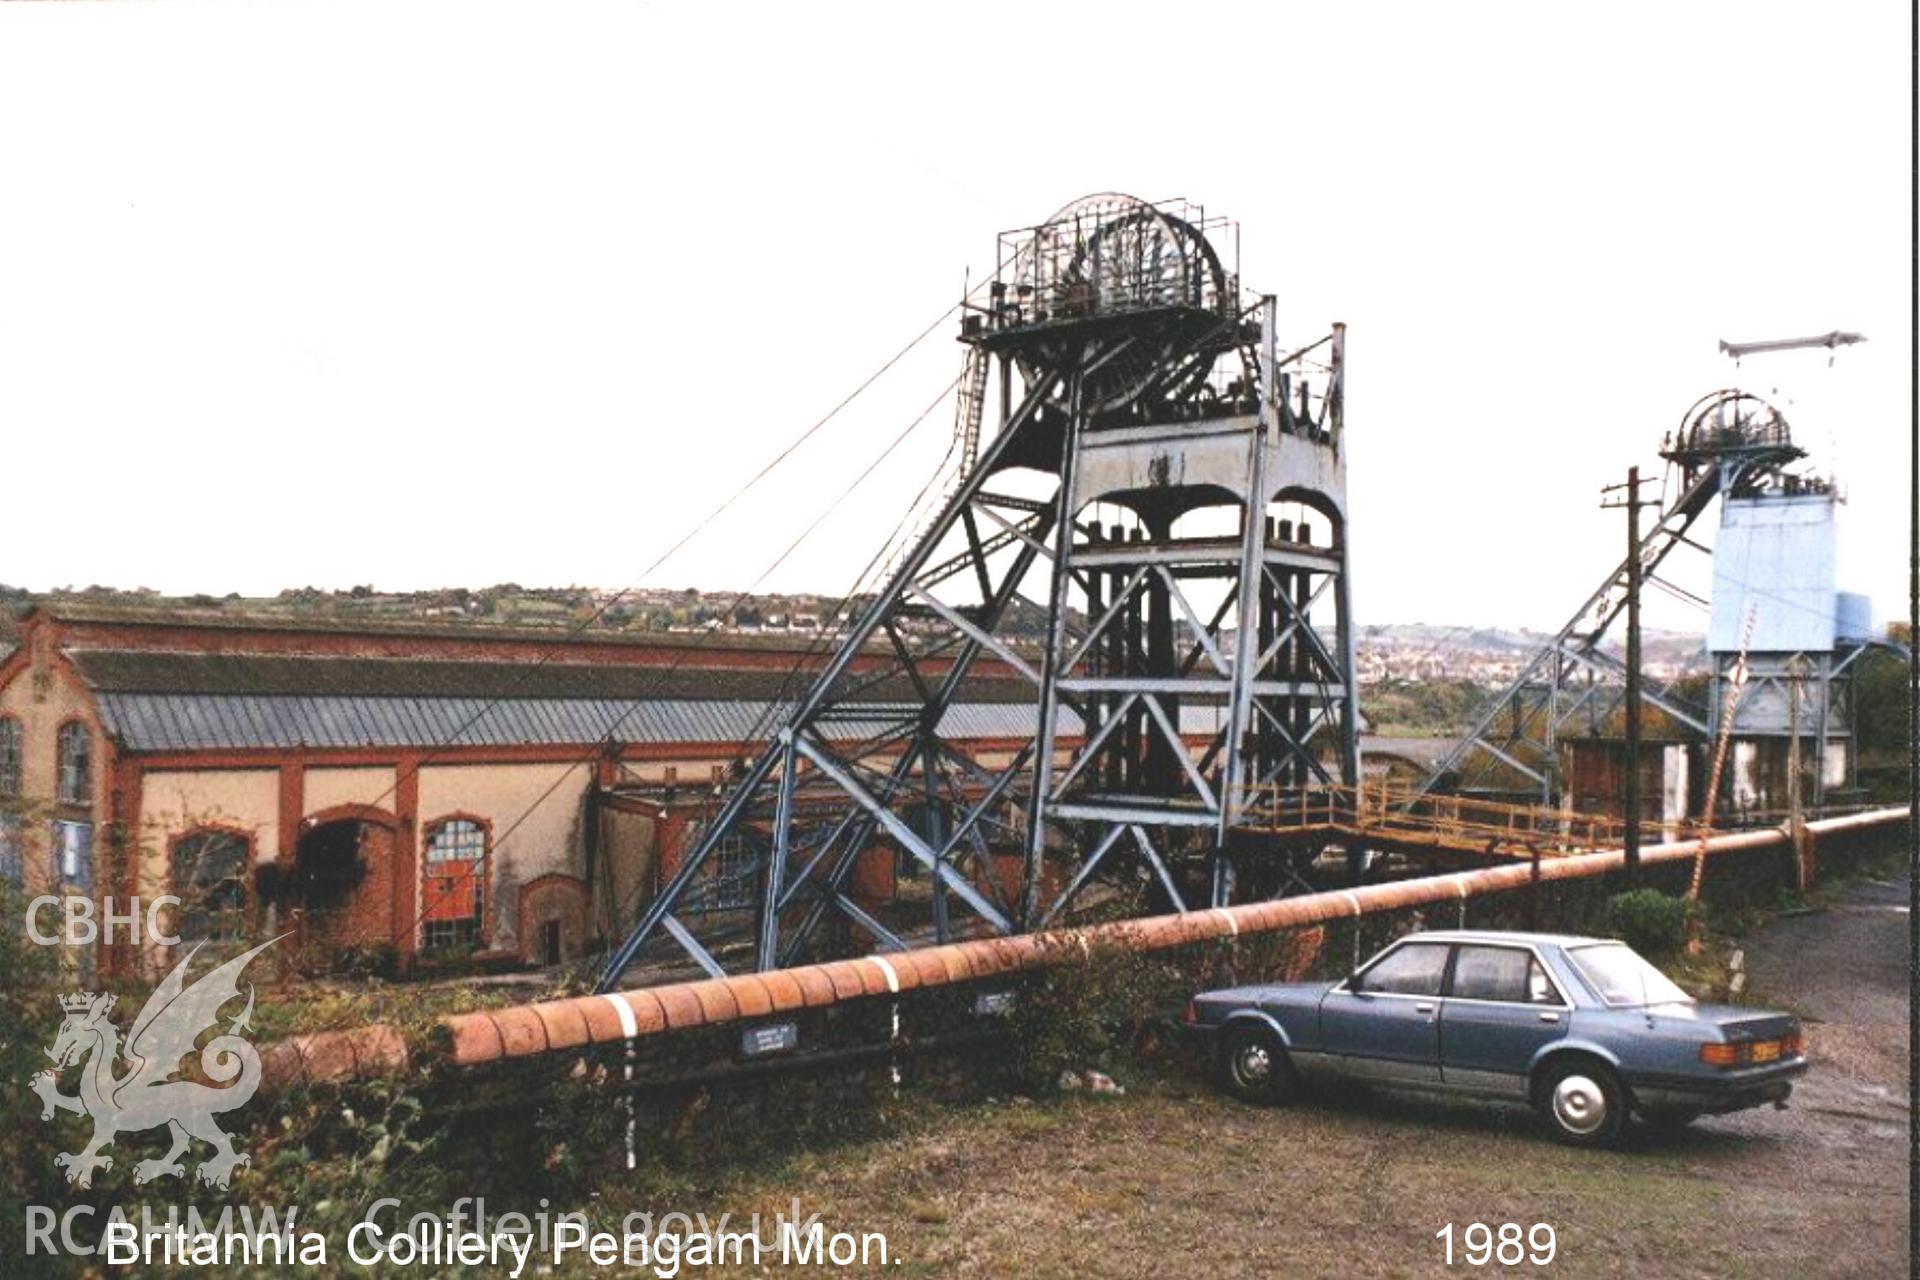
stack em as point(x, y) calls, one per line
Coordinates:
point(395, 791)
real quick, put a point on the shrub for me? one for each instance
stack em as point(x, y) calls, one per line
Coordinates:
point(1078, 1014)
point(1649, 921)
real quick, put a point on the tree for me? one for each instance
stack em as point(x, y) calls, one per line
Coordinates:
point(1882, 693)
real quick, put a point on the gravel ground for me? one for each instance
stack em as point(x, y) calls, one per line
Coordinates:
point(1845, 968)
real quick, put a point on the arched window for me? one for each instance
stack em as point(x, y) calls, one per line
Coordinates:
point(75, 754)
point(733, 872)
point(453, 886)
point(210, 879)
point(9, 758)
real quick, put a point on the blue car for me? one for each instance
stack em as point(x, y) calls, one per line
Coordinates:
point(1582, 1028)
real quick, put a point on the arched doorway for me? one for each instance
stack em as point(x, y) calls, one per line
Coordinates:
point(341, 890)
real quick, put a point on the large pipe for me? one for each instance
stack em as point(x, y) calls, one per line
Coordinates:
point(557, 1026)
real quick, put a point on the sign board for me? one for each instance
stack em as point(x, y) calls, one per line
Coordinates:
point(993, 1004)
point(777, 1037)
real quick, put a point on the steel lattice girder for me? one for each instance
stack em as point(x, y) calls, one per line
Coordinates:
point(1281, 688)
point(775, 774)
point(1533, 699)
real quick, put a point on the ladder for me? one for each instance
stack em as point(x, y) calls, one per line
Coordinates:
point(970, 406)
point(969, 410)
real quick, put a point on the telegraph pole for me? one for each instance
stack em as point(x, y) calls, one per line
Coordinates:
point(1632, 502)
point(1796, 814)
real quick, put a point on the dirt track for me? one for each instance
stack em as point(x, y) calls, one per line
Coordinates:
point(1846, 969)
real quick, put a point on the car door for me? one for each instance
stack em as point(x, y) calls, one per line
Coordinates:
point(1383, 1023)
point(1501, 1007)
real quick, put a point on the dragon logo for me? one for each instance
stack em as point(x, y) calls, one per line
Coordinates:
point(148, 1095)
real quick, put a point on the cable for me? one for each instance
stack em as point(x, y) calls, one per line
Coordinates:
point(903, 535)
point(546, 656)
point(402, 773)
point(634, 703)
point(905, 532)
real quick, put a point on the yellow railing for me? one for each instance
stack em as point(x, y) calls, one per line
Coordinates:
point(1465, 822)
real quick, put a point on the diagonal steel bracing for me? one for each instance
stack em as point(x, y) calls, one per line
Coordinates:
point(783, 754)
point(1519, 731)
point(1171, 675)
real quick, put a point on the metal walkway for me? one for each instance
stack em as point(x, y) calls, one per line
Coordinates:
point(1403, 820)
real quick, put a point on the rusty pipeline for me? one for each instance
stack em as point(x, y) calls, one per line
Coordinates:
point(564, 1025)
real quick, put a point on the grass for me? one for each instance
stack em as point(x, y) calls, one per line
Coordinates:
point(1169, 1179)
point(1173, 1179)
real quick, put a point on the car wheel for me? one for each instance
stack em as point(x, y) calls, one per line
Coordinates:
point(1253, 1065)
point(1582, 1103)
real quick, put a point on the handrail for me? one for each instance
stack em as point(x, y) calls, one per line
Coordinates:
point(1379, 807)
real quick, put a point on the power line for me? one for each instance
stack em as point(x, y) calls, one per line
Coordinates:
point(405, 771)
point(634, 703)
point(903, 535)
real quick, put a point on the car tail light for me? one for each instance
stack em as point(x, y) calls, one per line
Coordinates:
point(1743, 1053)
point(1192, 1016)
point(1723, 1055)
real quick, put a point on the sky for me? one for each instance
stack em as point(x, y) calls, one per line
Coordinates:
point(455, 294)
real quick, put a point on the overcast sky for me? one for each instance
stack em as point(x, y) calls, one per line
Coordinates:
point(423, 295)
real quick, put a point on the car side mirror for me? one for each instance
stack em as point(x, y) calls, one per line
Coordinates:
point(1353, 983)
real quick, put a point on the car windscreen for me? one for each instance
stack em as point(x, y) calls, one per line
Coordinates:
point(1622, 978)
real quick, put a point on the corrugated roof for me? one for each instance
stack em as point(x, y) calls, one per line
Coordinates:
point(202, 674)
point(167, 701)
point(203, 722)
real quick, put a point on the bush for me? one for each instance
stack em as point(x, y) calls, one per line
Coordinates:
point(1080, 1013)
point(1649, 921)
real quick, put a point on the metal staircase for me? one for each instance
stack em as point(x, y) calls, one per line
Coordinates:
point(971, 405)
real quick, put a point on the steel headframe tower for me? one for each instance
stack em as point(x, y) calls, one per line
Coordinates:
point(1170, 493)
point(1729, 444)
